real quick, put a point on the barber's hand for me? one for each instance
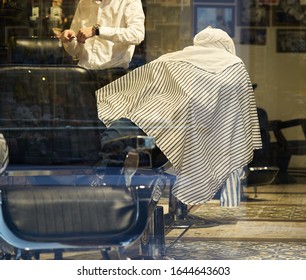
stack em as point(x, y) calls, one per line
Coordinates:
point(84, 34)
point(67, 35)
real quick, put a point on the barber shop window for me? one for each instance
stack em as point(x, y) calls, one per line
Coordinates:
point(48, 109)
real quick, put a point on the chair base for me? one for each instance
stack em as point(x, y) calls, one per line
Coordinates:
point(180, 218)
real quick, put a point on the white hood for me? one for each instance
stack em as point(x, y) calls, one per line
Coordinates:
point(213, 50)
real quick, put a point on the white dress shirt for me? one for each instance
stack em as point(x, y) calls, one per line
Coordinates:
point(122, 27)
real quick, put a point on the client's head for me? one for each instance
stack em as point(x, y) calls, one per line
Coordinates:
point(215, 38)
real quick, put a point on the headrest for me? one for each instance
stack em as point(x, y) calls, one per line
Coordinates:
point(32, 50)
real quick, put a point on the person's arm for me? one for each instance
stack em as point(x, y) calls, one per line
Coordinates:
point(68, 37)
point(134, 31)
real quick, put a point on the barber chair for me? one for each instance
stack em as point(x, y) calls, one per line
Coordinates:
point(284, 148)
point(48, 114)
point(106, 208)
point(152, 243)
point(258, 172)
point(49, 51)
point(261, 171)
point(178, 216)
point(37, 51)
point(48, 118)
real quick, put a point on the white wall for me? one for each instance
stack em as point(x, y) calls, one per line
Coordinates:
point(281, 79)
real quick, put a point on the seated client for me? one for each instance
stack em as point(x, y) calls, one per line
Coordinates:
point(199, 105)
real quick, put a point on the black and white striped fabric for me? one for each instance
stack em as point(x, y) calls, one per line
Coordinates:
point(4, 155)
point(205, 123)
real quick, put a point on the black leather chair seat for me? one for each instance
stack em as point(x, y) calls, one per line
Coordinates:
point(89, 215)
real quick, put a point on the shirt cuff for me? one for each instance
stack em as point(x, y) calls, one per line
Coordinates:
point(106, 32)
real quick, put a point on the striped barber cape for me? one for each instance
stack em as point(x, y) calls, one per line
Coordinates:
point(206, 124)
point(4, 154)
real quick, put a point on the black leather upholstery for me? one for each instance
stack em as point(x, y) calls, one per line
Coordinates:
point(262, 156)
point(101, 215)
point(278, 152)
point(33, 50)
point(284, 148)
point(123, 128)
point(78, 213)
point(48, 114)
point(49, 50)
point(262, 170)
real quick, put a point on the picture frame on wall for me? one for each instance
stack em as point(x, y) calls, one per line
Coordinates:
point(217, 16)
point(253, 36)
point(268, 2)
point(289, 14)
point(291, 40)
point(252, 13)
point(214, 1)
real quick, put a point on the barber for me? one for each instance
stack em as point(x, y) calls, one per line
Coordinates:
point(103, 34)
